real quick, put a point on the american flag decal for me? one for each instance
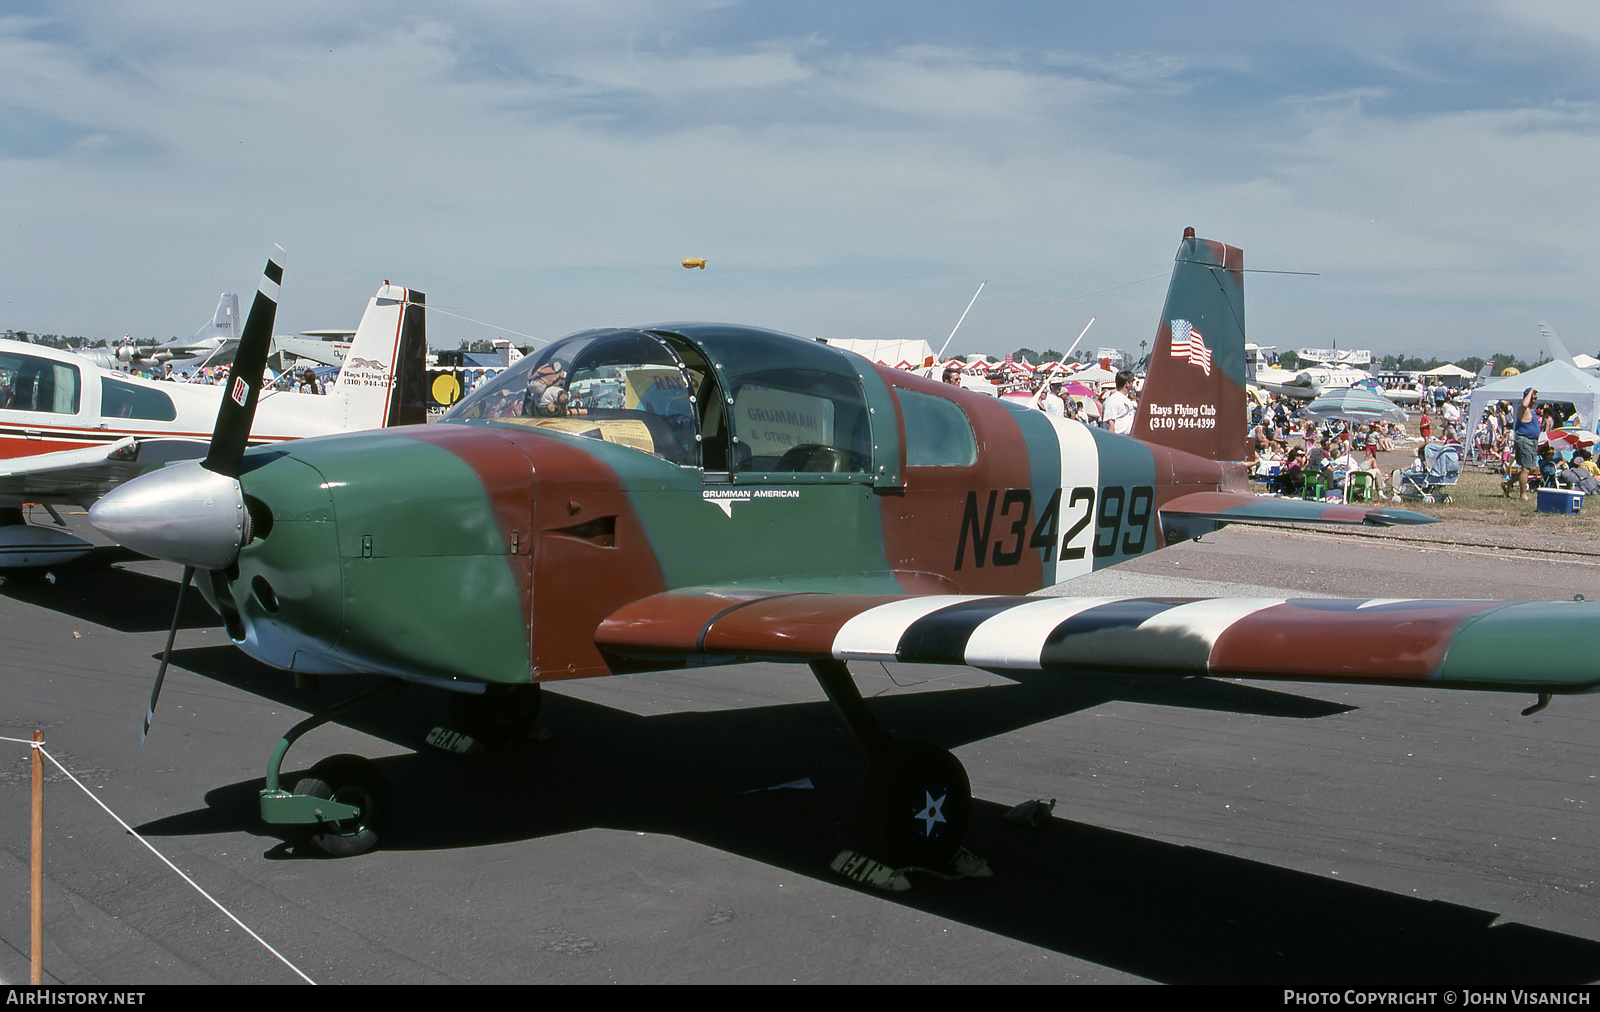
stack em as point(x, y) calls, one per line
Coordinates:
point(240, 391)
point(1186, 343)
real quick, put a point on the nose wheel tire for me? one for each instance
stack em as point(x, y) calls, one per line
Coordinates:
point(916, 806)
point(354, 781)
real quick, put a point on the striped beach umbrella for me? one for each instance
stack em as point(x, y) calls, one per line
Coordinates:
point(1568, 439)
point(1356, 404)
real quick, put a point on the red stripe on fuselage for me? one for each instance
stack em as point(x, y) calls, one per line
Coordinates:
point(922, 522)
point(14, 444)
point(580, 580)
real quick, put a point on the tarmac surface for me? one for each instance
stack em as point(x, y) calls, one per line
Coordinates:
point(1205, 831)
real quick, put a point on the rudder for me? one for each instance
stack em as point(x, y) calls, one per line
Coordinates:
point(1194, 398)
point(383, 372)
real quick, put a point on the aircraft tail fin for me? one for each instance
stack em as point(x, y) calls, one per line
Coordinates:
point(383, 379)
point(225, 322)
point(1194, 398)
point(1558, 347)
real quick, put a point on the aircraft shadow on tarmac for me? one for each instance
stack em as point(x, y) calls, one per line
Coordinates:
point(93, 589)
point(1170, 913)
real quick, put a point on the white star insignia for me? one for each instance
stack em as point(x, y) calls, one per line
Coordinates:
point(933, 812)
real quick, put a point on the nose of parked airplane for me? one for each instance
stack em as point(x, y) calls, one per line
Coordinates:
point(182, 513)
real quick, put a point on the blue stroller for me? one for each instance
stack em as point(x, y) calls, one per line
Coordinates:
point(1441, 469)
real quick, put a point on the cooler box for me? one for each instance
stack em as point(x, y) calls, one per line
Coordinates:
point(1560, 500)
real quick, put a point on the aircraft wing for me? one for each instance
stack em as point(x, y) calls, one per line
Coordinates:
point(82, 476)
point(1527, 646)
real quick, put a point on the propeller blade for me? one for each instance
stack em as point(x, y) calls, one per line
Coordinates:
point(238, 409)
point(166, 655)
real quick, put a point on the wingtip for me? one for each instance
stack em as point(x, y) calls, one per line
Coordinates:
point(1397, 517)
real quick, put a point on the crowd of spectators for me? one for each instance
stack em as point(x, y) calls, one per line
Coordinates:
point(304, 382)
point(1291, 450)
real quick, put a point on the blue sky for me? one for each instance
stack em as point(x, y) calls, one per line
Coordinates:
point(848, 169)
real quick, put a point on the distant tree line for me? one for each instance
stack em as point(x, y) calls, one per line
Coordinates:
point(1035, 357)
point(67, 343)
point(48, 340)
point(1472, 363)
point(1402, 363)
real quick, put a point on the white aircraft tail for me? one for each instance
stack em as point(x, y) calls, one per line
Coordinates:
point(383, 379)
point(1558, 347)
point(225, 322)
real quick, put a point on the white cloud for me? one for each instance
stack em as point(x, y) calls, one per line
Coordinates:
point(545, 166)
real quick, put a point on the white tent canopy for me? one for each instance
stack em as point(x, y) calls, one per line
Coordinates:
point(888, 352)
point(1094, 375)
point(1450, 369)
point(1557, 382)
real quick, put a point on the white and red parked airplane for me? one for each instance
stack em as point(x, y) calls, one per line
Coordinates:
point(71, 430)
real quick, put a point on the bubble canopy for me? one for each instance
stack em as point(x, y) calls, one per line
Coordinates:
point(723, 398)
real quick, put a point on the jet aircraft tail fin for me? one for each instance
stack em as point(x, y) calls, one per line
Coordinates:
point(224, 323)
point(383, 379)
point(1558, 347)
point(1193, 398)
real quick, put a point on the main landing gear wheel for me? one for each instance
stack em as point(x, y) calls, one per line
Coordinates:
point(497, 717)
point(354, 781)
point(916, 806)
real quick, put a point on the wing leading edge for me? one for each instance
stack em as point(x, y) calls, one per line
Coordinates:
point(1523, 646)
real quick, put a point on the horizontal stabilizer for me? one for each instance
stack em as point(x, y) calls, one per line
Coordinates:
point(1244, 508)
point(1525, 646)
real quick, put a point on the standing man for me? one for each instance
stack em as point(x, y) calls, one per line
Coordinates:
point(1120, 406)
point(1049, 399)
point(1525, 434)
point(1452, 420)
point(952, 375)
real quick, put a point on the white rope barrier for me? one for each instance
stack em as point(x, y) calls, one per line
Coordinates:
point(179, 872)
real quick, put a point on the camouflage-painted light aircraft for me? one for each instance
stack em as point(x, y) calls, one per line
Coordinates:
point(688, 494)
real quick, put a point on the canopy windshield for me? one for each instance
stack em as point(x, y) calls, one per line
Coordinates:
point(622, 386)
point(728, 399)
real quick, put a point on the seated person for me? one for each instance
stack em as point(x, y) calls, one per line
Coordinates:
point(1292, 477)
point(1580, 479)
point(1266, 460)
point(1548, 466)
point(1259, 441)
point(1584, 460)
point(1318, 455)
point(1415, 471)
point(1341, 469)
point(546, 394)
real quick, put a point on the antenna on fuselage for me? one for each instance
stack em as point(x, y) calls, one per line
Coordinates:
point(1082, 332)
point(964, 313)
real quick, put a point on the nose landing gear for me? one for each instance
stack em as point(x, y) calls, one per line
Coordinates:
point(344, 802)
point(350, 781)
